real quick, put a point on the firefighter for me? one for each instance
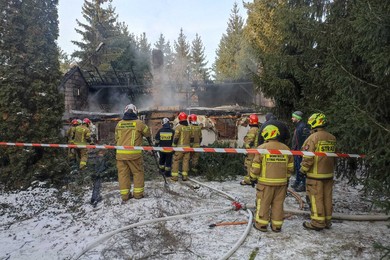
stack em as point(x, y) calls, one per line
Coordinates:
point(319, 171)
point(83, 137)
point(70, 133)
point(181, 138)
point(130, 132)
point(196, 131)
point(271, 119)
point(164, 138)
point(250, 141)
point(271, 173)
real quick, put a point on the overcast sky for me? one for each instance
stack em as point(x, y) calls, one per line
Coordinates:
point(208, 18)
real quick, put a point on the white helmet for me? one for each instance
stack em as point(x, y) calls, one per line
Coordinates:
point(164, 121)
point(131, 108)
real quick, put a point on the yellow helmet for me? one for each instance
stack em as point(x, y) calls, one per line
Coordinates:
point(270, 132)
point(317, 120)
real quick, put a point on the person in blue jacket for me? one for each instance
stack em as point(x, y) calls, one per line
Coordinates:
point(301, 132)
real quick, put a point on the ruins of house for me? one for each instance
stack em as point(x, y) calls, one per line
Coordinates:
point(221, 108)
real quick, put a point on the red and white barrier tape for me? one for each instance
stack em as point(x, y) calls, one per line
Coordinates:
point(188, 149)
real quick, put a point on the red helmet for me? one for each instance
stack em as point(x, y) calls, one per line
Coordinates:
point(253, 119)
point(192, 118)
point(182, 116)
point(86, 121)
point(75, 122)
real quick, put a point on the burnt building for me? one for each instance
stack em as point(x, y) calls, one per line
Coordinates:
point(102, 97)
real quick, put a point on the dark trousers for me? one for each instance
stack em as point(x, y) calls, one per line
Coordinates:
point(165, 163)
point(299, 177)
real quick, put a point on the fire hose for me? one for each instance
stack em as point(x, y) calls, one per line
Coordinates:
point(236, 206)
point(145, 222)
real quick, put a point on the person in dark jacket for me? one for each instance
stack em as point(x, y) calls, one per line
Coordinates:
point(164, 138)
point(271, 119)
point(301, 132)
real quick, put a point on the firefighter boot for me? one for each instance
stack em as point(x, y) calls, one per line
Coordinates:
point(308, 225)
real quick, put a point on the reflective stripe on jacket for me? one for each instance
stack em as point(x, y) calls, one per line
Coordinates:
point(82, 135)
point(130, 133)
point(319, 167)
point(196, 135)
point(251, 139)
point(270, 169)
point(182, 136)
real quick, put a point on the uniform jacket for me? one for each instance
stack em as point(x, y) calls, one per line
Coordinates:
point(70, 134)
point(129, 132)
point(82, 135)
point(164, 137)
point(183, 135)
point(319, 167)
point(301, 132)
point(251, 139)
point(196, 135)
point(272, 170)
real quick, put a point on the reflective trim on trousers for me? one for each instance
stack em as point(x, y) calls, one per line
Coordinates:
point(124, 191)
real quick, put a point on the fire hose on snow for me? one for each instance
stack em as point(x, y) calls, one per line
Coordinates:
point(151, 221)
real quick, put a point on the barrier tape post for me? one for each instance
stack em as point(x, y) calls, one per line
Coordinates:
point(188, 149)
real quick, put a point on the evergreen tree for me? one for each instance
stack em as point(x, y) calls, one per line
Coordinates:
point(180, 67)
point(332, 57)
point(144, 59)
point(199, 72)
point(166, 49)
point(101, 27)
point(357, 68)
point(227, 63)
point(30, 104)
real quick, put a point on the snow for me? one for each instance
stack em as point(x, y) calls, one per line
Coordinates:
point(46, 223)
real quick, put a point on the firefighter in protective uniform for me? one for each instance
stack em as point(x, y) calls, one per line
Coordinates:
point(271, 173)
point(82, 136)
point(70, 133)
point(130, 132)
point(196, 130)
point(250, 141)
point(164, 138)
point(181, 138)
point(319, 171)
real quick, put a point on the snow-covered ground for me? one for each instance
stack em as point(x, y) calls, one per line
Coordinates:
point(45, 223)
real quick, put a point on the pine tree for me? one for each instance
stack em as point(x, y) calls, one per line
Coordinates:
point(180, 67)
point(286, 36)
point(199, 72)
point(166, 49)
point(30, 104)
point(101, 27)
point(227, 63)
point(357, 67)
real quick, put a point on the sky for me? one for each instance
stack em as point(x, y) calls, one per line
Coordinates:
point(154, 17)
